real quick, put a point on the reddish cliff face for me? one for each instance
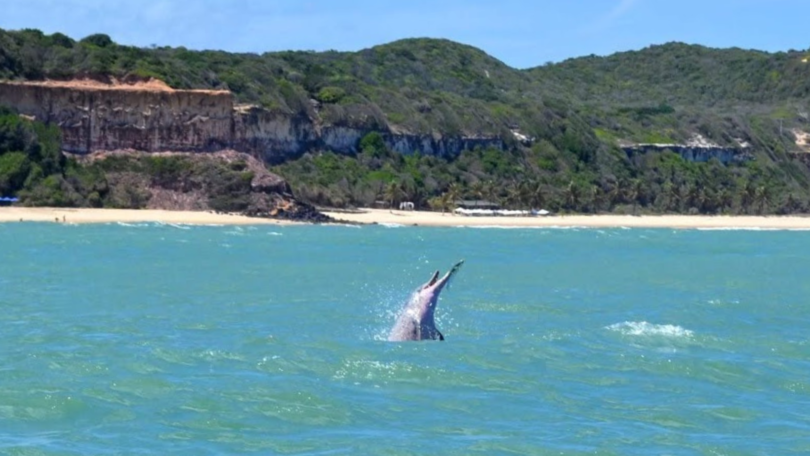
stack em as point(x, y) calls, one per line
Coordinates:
point(152, 117)
point(97, 117)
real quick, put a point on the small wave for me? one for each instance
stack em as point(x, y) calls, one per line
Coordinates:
point(372, 370)
point(133, 225)
point(391, 225)
point(722, 302)
point(507, 227)
point(275, 233)
point(179, 226)
point(217, 355)
point(749, 228)
point(643, 328)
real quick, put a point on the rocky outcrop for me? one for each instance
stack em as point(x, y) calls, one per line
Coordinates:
point(696, 149)
point(725, 155)
point(278, 137)
point(101, 117)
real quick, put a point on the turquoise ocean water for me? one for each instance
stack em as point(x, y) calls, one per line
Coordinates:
point(160, 339)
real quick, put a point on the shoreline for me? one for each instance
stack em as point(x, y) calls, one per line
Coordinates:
point(11, 214)
point(92, 215)
point(436, 219)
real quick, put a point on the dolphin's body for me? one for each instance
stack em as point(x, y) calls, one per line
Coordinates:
point(415, 321)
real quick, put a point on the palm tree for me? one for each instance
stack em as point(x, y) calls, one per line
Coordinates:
point(762, 197)
point(477, 189)
point(523, 196)
point(446, 201)
point(748, 196)
point(489, 191)
point(454, 192)
point(572, 195)
point(595, 198)
point(536, 196)
point(392, 193)
point(513, 195)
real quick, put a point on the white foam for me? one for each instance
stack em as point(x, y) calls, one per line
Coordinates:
point(391, 225)
point(179, 226)
point(643, 328)
point(503, 227)
point(749, 228)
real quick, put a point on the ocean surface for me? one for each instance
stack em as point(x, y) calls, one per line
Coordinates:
point(155, 339)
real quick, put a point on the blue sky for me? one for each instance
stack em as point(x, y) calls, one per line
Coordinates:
point(521, 33)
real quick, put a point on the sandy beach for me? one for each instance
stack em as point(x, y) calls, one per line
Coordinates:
point(404, 218)
point(421, 218)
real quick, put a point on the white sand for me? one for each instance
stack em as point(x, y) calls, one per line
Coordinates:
point(407, 218)
point(420, 218)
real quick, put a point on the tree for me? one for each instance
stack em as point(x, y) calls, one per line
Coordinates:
point(392, 193)
point(98, 39)
point(454, 192)
point(373, 145)
point(571, 196)
point(634, 193)
point(595, 198)
point(446, 202)
point(536, 196)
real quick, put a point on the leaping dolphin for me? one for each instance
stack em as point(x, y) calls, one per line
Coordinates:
point(415, 321)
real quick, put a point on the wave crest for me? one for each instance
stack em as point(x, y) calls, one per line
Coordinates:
point(643, 328)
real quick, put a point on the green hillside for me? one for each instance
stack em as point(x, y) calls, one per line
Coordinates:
point(578, 111)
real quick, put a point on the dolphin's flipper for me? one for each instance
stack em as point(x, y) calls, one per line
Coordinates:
point(441, 336)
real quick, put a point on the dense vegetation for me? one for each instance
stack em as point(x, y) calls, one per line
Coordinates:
point(545, 177)
point(33, 168)
point(578, 112)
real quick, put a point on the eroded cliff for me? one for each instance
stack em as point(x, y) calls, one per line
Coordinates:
point(152, 117)
point(95, 117)
point(696, 149)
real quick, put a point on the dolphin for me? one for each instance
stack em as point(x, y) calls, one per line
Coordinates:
point(415, 321)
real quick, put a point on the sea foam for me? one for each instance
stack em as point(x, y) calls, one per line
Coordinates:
point(643, 328)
